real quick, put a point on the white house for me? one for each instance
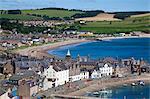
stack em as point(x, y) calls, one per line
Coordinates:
point(103, 71)
point(81, 76)
point(49, 75)
point(106, 70)
point(55, 76)
point(95, 74)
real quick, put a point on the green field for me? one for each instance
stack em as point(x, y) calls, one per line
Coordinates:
point(19, 17)
point(51, 13)
point(127, 25)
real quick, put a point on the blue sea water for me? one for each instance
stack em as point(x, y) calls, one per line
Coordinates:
point(124, 92)
point(117, 48)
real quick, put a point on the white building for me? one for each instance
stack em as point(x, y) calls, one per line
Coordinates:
point(106, 70)
point(55, 76)
point(81, 76)
point(95, 74)
point(103, 71)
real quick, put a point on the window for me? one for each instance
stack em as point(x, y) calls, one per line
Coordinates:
point(76, 66)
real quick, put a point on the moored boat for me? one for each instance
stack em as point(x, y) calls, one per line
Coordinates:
point(133, 84)
point(141, 83)
point(96, 94)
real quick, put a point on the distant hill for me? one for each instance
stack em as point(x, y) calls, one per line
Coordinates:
point(61, 13)
point(51, 13)
point(141, 15)
point(129, 24)
point(100, 17)
point(123, 15)
point(38, 14)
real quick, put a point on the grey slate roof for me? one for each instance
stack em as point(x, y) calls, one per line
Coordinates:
point(23, 74)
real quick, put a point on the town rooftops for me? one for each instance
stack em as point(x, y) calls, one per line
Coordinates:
point(2, 91)
point(110, 60)
point(23, 74)
point(89, 63)
point(60, 67)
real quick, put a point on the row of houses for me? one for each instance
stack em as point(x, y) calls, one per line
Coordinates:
point(45, 23)
point(26, 76)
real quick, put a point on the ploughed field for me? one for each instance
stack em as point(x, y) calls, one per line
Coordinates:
point(100, 17)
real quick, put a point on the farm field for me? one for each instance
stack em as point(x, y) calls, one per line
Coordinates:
point(30, 14)
point(100, 17)
point(51, 13)
point(19, 17)
point(127, 25)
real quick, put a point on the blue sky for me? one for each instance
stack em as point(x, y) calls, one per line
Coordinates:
point(106, 5)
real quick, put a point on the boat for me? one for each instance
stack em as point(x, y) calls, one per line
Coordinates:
point(133, 84)
point(99, 40)
point(106, 91)
point(96, 94)
point(141, 83)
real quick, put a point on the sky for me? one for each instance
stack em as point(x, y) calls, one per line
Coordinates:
point(106, 5)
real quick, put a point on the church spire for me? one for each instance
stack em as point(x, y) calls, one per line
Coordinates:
point(68, 53)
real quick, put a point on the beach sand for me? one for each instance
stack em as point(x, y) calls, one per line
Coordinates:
point(41, 51)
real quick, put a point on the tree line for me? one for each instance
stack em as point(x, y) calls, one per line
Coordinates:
point(123, 15)
point(10, 11)
point(19, 27)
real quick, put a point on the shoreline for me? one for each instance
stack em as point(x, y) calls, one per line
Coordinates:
point(98, 85)
point(124, 37)
point(41, 51)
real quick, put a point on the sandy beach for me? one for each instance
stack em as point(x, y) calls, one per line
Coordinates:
point(40, 51)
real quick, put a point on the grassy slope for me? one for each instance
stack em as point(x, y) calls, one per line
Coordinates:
point(19, 17)
point(139, 24)
point(51, 13)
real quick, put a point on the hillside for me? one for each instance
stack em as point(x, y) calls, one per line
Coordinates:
point(127, 25)
point(38, 14)
point(100, 17)
point(141, 15)
point(19, 17)
point(59, 13)
point(51, 13)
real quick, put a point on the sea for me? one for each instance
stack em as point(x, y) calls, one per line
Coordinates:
point(116, 48)
point(122, 92)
